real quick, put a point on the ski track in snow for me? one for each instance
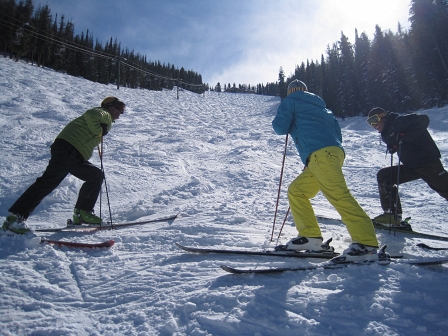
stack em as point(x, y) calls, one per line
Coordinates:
point(215, 158)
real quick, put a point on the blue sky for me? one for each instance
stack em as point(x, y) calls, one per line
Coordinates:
point(231, 41)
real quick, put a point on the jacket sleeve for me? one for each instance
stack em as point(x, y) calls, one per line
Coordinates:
point(94, 118)
point(338, 130)
point(410, 126)
point(282, 121)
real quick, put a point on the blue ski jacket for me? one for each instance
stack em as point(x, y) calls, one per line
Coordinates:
point(311, 125)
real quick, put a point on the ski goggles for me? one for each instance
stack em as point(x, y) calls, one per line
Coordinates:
point(373, 120)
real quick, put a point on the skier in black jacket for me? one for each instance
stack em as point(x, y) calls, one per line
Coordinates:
point(406, 135)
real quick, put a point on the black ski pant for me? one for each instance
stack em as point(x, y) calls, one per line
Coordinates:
point(432, 173)
point(65, 159)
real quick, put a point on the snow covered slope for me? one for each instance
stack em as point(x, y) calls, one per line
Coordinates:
point(215, 158)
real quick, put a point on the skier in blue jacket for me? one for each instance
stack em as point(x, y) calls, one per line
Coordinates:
point(317, 136)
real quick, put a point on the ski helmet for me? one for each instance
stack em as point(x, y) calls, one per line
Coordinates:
point(113, 101)
point(296, 85)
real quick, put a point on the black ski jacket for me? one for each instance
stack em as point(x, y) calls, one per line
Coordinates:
point(417, 146)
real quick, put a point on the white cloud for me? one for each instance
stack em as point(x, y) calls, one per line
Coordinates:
point(287, 33)
point(241, 41)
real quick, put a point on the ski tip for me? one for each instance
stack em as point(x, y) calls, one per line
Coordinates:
point(230, 269)
point(182, 247)
point(109, 243)
point(328, 241)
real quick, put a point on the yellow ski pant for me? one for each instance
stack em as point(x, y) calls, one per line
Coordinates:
point(324, 173)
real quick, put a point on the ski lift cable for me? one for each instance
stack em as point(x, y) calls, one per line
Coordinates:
point(33, 31)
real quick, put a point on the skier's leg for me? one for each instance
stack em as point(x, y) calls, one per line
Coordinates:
point(387, 178)
point(326, 164)
point(300, 191)
point(90, 190)
point(436, 177)
point(56, 171)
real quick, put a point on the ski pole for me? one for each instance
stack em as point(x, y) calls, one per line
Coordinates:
point(392, 186)
point(101, 190)
point(391, 202)
point(284, 221)
point(398, 182)
point(279, 187)
point(105, 184)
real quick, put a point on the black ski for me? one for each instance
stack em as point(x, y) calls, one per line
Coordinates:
point(417, 262)
point(396, 229)
point(90, 228)
point(273, 270)
point(432, 247)
point(330, 265)
point(323, 255)
point(410, 231)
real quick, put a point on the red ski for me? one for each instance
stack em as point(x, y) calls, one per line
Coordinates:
point(108, 243)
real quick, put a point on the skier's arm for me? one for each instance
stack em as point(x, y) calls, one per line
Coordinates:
point(409, 127)
point(338, 129)
point(284, 117)
point(94, 118)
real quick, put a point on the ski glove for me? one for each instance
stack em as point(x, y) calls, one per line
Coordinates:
point(394, 139)
point(104, 127)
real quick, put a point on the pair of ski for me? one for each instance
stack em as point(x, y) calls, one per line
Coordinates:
point(108, 243)
point(323, 265)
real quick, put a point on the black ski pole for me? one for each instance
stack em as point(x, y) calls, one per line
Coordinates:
point(279, 187)
point(391, 190)
point(105, 183)
point(398, 182)
point(101, 191)
point(391, 202)
point(284, 221)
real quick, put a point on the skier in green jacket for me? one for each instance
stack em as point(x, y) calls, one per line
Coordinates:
point(70, 152)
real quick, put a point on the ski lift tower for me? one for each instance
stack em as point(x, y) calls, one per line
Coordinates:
point(119, 59)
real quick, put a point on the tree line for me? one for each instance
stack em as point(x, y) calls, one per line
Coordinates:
point(37, 37)
point(403, 71)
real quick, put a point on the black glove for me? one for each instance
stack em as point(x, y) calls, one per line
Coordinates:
point(394, 140)
point(392, 149)
point(104, 127)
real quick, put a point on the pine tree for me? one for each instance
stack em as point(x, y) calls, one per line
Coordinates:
point(346, 78)
point(429, 33)
point(42, 24)
point(362, 103)
point(281, 84)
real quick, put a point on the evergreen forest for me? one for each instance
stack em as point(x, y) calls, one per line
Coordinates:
point(38, 37)
point(402, 72)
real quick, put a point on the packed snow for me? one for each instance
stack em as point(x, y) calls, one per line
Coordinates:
point(215, 158)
